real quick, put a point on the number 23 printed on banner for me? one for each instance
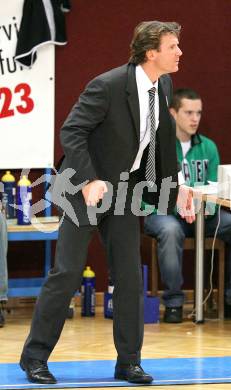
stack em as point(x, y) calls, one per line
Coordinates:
point(24, 108)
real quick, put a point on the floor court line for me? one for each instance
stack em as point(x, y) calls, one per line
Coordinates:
point(99, 373)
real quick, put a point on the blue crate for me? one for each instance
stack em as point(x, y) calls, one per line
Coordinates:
point(151, 304)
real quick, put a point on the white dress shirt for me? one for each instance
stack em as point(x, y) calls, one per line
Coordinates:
point(143, 85)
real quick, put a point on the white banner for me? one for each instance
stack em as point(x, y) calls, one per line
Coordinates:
point(26, 99)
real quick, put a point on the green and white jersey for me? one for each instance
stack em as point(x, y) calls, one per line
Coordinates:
point(200, 162)
point(198, 166)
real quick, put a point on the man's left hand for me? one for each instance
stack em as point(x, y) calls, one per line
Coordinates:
point(185, 205)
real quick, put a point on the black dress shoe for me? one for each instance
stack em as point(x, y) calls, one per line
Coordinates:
point(173, 315)
point(132, 373)
point(37, 371)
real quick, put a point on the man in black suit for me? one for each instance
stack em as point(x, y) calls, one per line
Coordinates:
point(106, 140)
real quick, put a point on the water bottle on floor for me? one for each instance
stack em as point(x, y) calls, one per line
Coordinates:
point(88, 293)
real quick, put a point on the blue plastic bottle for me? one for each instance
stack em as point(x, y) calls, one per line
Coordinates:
point(108, 302)
point(9, 195)
point(24, 197)
point(88, 293)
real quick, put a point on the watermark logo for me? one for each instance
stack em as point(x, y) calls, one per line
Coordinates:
point(60, 187)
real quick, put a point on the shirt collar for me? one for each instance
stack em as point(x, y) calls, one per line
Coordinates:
point(195, 139)
point(143, 81)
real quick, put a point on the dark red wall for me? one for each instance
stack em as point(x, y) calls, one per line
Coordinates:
point(99, 33)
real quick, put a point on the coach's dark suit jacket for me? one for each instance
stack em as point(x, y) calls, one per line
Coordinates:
point(101, 135)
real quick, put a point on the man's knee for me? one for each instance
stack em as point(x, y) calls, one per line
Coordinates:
point(167, 228)
point(172, 230)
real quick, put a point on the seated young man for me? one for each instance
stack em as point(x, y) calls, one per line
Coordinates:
point(199, 158)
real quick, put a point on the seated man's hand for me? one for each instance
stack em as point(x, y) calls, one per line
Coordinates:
point(93, 192)
point(185, 205)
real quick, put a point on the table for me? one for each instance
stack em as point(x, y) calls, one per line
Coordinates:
point(48, 231)
point(199, 237)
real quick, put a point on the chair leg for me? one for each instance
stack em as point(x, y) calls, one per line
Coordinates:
point(221, 281)
point(209, 307)
point(154, 269)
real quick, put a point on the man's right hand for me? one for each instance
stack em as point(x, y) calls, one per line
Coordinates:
point(93, 192)
point(185, 205)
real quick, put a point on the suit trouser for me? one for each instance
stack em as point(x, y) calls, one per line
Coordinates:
point(121, 236)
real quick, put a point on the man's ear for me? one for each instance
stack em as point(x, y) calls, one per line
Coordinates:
point(151, 54)
point(173, 112)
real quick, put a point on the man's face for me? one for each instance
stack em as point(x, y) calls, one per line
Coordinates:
point(167, 57)
point(188, 116)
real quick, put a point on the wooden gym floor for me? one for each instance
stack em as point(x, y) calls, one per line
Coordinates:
point(91, 339)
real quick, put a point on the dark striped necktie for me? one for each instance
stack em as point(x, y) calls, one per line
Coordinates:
point(150, 173)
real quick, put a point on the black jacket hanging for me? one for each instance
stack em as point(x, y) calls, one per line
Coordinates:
point(42, 22)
